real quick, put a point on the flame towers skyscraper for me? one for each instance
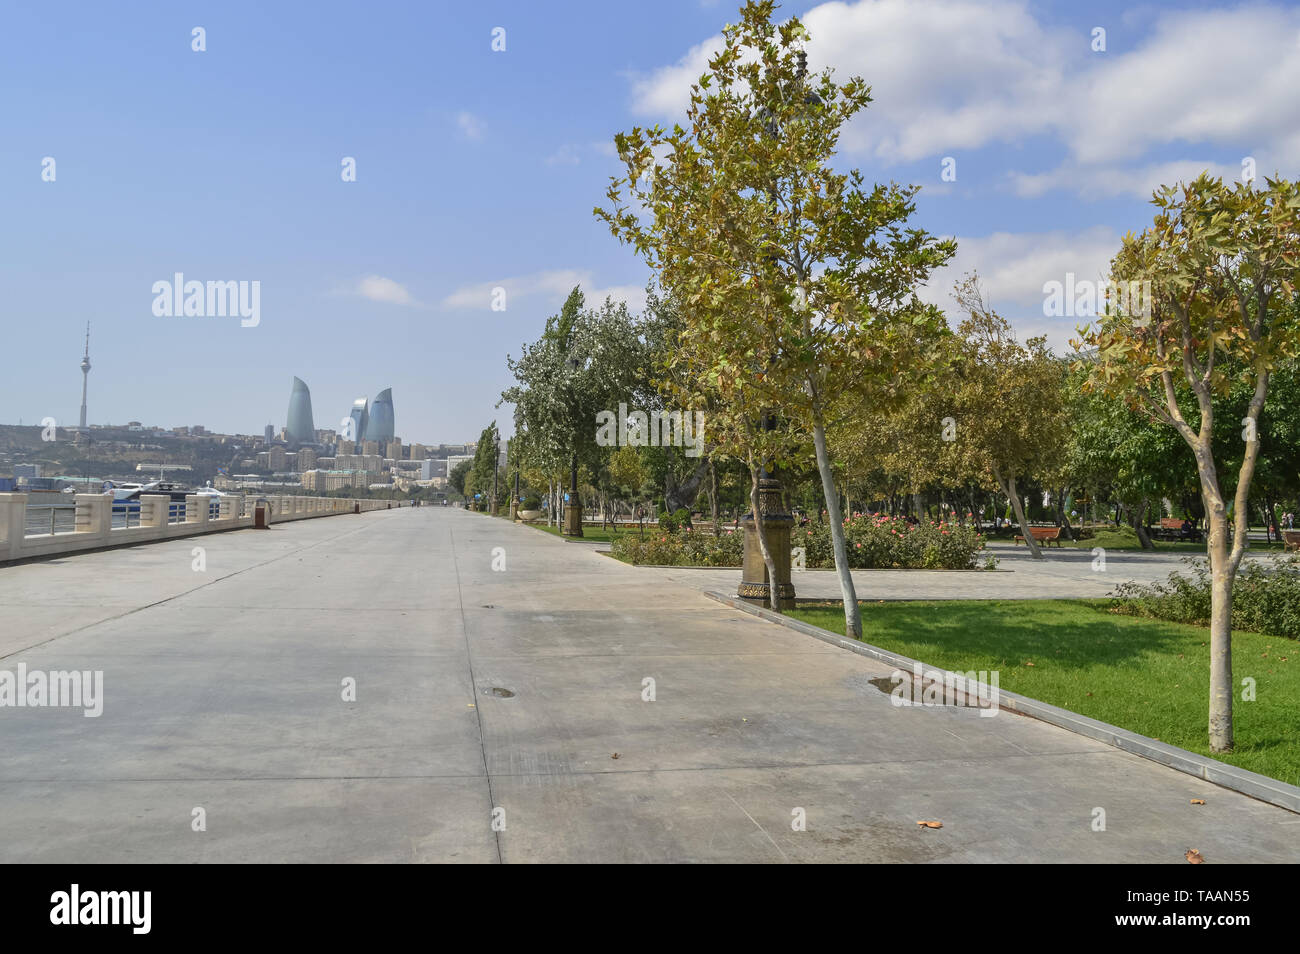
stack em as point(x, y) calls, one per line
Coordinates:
point(381, 425)
point(301, 428)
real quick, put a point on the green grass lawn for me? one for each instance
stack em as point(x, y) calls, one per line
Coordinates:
point(588, 533)
point(1147, 676)
point(1124, 538)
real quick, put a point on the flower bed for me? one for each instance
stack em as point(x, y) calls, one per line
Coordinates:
point(876, 541)
point(873, 542)
point(679, 548)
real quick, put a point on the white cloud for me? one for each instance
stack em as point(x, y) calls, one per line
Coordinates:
point(551, 287)
point(1013, 268)
point(378, 288)
point(952, 75)
point(1104, 182)
point(470, 126)
point(566, 155)
point(945, 74)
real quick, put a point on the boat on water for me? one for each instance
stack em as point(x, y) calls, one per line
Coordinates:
point(177, 492)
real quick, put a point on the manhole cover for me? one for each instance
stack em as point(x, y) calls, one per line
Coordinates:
point(499, 692)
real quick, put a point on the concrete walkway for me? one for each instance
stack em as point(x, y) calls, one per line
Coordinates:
point(223, 692)
point(1062, 573)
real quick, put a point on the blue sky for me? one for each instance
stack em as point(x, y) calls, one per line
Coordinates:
point(478, 168)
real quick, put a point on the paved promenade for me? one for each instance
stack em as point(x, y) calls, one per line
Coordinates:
point(1061, 573)
point(223, 692)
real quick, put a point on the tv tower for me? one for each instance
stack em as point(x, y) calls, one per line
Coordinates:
point(85, 376)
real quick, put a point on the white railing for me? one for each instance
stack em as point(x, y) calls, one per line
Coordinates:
point(93, 521)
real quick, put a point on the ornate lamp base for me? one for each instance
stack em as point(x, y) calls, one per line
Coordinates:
point(754, 583)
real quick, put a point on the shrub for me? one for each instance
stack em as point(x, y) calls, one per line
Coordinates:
point(681, 548)
point(531, 502)
point(873, 542)
point(1265, 598)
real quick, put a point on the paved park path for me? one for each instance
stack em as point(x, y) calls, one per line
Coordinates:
point(223, 692)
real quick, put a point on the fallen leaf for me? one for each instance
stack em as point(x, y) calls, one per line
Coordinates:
point(1028, 664)
point(1194, 857)
point(614, 756)
point(1198, 801)
point(930, 824)
point(469, 705)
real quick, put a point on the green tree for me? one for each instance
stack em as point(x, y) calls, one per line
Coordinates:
point(797, 282)
point(1221, 265)
point(483, 467)
point(456, 479)
point(1009, 416)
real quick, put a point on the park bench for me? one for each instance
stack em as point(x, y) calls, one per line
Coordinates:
point(1044, 535)
point(1171, 528)
point(1291, 539)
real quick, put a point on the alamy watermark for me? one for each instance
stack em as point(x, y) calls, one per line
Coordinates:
point(656, 429)
point(930, 687)
point(58, 689)
point(182, 299)
point(1083, 298)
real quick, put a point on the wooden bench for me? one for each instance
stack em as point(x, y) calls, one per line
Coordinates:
point(1291, 539)
point(1171, 528)
point(1044, 535)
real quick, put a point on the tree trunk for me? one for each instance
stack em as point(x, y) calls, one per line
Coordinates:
point(760, 531)
point(1009, 488)
point(1139, 524)
point(713, 498)
point(1220, 631)
point(852, 617)
point(1063, 518)
point(681, 496)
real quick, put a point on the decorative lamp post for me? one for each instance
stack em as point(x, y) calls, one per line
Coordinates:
point(755, 586)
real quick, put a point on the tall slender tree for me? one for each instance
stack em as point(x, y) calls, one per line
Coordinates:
point(798, 281)
point(1222, 267)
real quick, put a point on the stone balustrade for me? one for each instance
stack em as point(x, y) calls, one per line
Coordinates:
point(156, 520)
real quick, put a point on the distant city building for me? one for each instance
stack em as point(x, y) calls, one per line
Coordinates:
point(370, 448)
point(333, 479)
point(301, 429)
point(29, 471)
point(274, 459)
point(419, 452)
point(393, 448)
point(306, 459)
point(269, 435)
point(452, 461)
point(370, 463)
point(360, 417)
point(381, 427)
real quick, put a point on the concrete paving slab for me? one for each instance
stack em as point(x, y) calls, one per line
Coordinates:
point(227, 694)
